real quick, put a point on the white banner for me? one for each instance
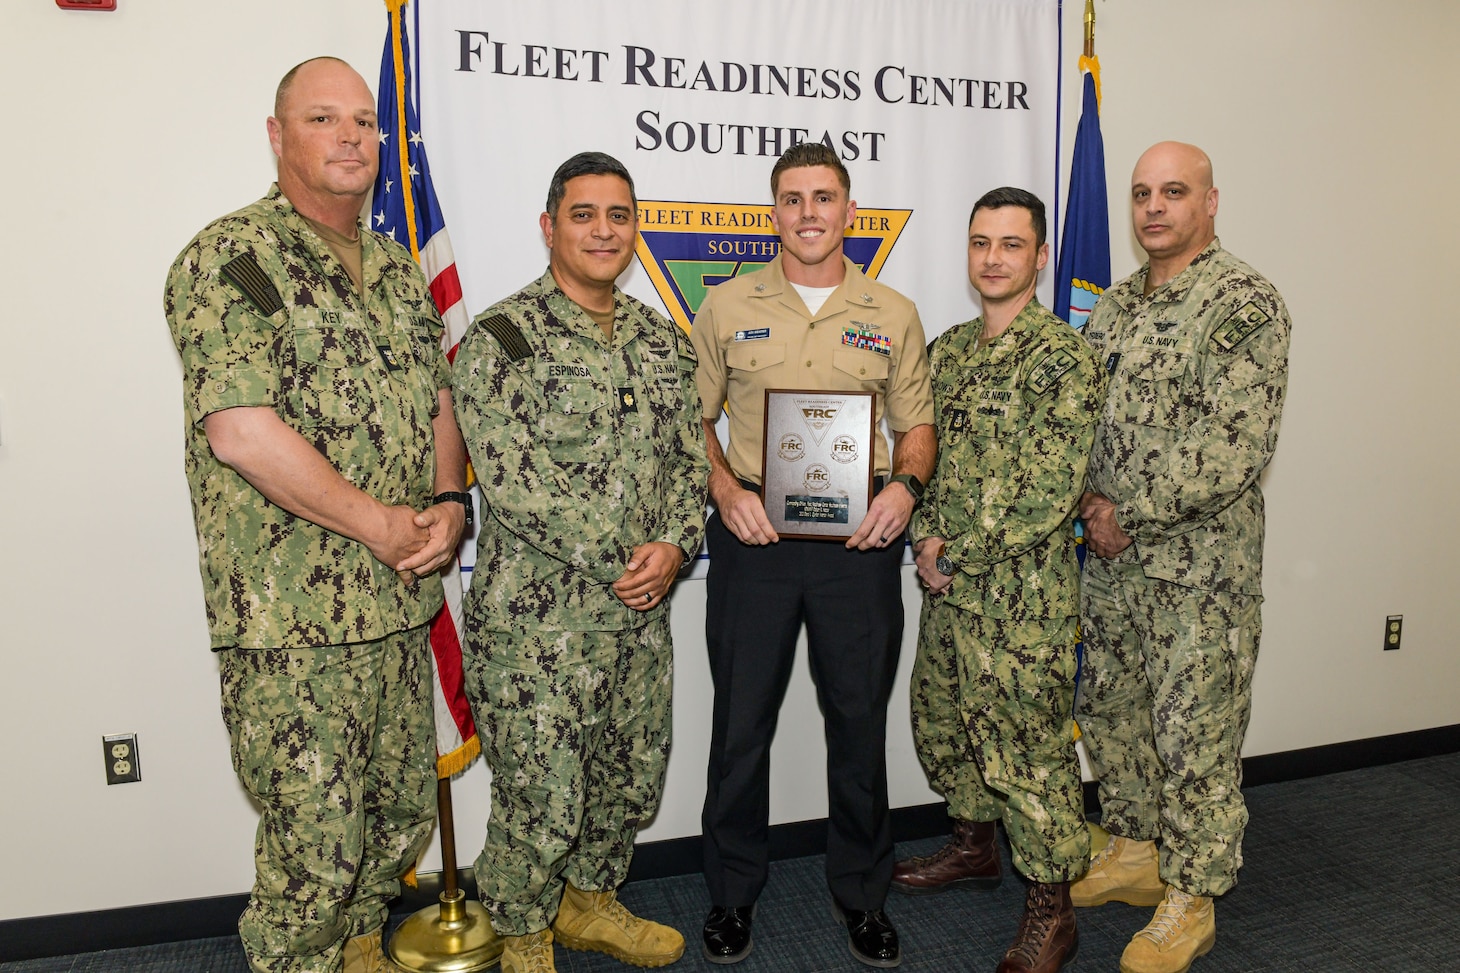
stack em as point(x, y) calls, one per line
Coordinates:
point(930, 103)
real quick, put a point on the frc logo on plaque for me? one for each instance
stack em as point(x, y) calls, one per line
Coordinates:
point(817, 467)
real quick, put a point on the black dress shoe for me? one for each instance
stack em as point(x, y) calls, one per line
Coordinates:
point(871, 938)
point(727, 934)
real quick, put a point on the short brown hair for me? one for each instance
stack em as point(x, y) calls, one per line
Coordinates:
point(810, 154)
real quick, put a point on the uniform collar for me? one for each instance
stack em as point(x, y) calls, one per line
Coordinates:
point(1009, 342)
point(374, 258)
point(571, 313)
point(1174, 291)
point(855, 290)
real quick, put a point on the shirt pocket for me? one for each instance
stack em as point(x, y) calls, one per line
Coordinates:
point(575, 425)
point(754, 356)
point(336, 378)
point(867, 368)
point(1154, 391)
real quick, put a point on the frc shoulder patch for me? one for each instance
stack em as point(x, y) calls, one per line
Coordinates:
point(509, 336)
point(1050, 370)
point(244, 272)
point(1239, 327)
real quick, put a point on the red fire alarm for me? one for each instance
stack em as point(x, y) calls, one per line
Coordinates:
point(87, 4)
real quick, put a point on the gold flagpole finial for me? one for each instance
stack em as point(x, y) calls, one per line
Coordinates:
point(1089, 28)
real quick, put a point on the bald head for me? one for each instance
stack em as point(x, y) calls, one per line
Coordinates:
point(1173, 205)
point(324, 133)
point(286, 83)
point(1166, 156)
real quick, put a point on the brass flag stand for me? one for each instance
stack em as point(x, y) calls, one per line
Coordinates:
point(454, 937)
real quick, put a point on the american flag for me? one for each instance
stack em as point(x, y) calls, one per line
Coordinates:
point(406, 210)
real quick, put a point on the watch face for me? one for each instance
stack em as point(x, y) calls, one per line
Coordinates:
point(944, 564)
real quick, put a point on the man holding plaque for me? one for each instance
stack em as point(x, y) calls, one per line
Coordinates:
point(812, 323)
point(1018, 393)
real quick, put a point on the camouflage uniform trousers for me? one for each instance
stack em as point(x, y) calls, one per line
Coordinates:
point(991, 716)
point(1165, 694)
point(338, 745)
point(575, 726)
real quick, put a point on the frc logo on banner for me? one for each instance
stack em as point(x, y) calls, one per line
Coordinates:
point(687, 248)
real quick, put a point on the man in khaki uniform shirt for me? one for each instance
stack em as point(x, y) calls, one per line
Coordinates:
point(809, 320)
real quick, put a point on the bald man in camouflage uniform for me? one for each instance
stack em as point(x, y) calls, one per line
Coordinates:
point(580, 412)
point(320, 439)
point(1196, 343)
point(1017, 392)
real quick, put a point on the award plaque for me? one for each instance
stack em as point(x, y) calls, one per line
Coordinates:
point(817, 461)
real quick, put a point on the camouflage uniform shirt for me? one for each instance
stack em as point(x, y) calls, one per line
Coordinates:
point(585, 448)
point(1015, 420)
point(1198, 373)
point(264, 315)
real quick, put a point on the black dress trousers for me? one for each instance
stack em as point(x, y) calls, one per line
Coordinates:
point(757, 600)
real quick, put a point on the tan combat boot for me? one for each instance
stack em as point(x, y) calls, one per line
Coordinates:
point(363, 954)
point(532, 953)
point(1184, 927)
point(1123, 871)
point(598, 921)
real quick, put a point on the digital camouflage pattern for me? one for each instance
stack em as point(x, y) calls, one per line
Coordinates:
point(338, 745)
point(1015, 419)
point(585, 449)
point(1199, 371)
point(991, 716)
point(1164, 701)
point(993, 683)
point(576, 727)
point(1172, 625)
point(357, 378)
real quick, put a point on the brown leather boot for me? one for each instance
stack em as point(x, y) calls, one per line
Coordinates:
point(969, 859)
point(1047, 939)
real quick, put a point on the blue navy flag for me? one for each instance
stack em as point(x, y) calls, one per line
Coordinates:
point(405, 209)
point(1082, 270)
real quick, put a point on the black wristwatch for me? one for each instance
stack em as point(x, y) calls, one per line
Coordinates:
point(913, 484)
point(462, 498)
point(944, 564)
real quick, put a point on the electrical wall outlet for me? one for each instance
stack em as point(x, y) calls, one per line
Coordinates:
point(1393, 626)
point(120, 750)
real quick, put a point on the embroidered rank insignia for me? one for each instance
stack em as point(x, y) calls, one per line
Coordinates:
point(1111, 362)
point(387, 355)
point(509, 336)
point(867, 340)
point(626, 401)
point(1239, 327)
point(244, 272)
point(957, 420)
point(1049, 371)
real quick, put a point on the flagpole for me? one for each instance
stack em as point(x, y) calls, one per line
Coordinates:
point(457, 936)
point(1089, 28)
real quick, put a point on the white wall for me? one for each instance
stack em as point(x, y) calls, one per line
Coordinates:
point(1332, 137)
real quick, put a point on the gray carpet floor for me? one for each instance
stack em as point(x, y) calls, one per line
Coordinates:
point(1353, 871)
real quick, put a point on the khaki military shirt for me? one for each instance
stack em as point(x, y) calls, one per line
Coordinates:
point(1198, 374)
point(1015, 421)
point(754, 333)
point(585, 448)
point(264, 315)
